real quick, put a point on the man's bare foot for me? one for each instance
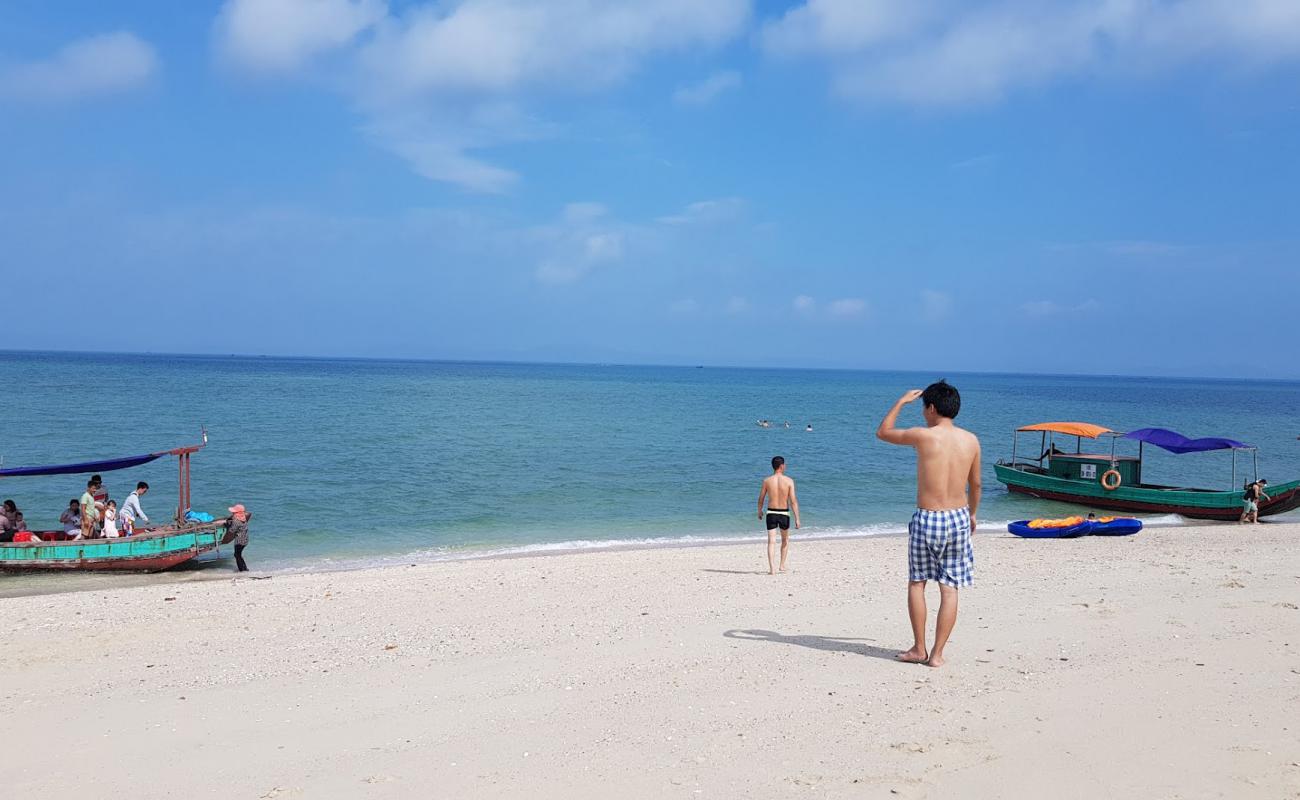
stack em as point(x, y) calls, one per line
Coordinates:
point(785, 569)
point(914, 656)
point(935, 660)
point(771, 572)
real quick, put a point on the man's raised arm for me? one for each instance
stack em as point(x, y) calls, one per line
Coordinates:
point(904, 436)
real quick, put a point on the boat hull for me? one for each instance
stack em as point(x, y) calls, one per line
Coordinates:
point(1196, 504)
point(148, 552)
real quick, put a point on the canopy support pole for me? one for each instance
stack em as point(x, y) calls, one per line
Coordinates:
point(1014, 436)
point(1254, 454)
point(1234, 470)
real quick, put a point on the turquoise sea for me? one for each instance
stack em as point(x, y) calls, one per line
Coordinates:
point(353, 462)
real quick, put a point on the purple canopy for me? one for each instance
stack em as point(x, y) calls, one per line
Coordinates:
point(87, 467)
point(1175, 442)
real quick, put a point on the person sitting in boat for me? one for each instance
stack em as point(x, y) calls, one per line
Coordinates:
point(71, 519)
point(11, 521)
point(1052, 450)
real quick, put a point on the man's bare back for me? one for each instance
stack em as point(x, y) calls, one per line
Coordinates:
point(778, 489)
point(947, 461)
point(945, 457)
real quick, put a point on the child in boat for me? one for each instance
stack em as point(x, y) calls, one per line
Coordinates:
point(238, 525)
point(110, 520)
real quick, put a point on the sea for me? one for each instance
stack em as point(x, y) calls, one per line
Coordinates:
point(351, 463)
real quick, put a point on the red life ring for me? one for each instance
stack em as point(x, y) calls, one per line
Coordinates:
point(1111, 479)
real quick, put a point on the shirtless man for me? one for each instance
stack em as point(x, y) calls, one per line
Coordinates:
point(778, 490)
point(947, 499)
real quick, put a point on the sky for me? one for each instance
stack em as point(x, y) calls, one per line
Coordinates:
point(1060, 186)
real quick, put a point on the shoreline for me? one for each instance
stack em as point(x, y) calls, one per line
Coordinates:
point(44, 584)
point(681, 672)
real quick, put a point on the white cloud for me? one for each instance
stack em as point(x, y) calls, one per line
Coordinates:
point(737, 305)
point(707, 90)
point(584, 239)
point(1050, 308)
point(935, 305)
point(943, 53)
point(1040, 308)
point(804, 304)
point(584, 212)
point(283, 35)
point(847, 307)
point(103, 64)
point(433, 78)
point(686, 305)
point(842, 26)
point(707, 212)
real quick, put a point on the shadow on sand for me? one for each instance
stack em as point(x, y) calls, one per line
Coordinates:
point(836, 644)
point(738, 571)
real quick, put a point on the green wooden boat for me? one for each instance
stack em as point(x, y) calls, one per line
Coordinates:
point(148, 550)
point(1113, 481)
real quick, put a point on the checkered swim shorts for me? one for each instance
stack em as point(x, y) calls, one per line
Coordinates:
point(939, 549)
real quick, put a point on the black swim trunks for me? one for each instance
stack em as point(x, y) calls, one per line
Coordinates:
point(778, 518)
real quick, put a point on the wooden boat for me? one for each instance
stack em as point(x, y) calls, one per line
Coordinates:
point(1113, 481)
point(148, 550)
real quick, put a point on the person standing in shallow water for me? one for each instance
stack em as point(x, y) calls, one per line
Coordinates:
point(238, 525)
point(778, 490)
point(947, 500)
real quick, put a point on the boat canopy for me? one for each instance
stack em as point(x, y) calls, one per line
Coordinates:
point(1085, 429)
point(1175, 442)
point(87, 467)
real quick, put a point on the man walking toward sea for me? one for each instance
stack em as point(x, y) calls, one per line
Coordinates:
point(778, 490)
point(947, 499)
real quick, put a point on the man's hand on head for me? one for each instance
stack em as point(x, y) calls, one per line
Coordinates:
point(910, 396)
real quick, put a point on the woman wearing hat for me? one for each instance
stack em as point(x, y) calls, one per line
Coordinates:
point(238, 525)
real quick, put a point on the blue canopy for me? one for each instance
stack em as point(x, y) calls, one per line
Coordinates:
point(87, 467)
point(1175, 442)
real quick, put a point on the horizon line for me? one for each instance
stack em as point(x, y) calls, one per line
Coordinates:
point(646, 364)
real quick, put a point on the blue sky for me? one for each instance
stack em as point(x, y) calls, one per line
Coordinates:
point(1103, 186)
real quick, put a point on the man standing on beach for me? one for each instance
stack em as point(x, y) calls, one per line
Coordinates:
point(778, 490)
point(947, 499)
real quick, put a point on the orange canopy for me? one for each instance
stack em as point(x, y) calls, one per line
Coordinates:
point(1084, 429)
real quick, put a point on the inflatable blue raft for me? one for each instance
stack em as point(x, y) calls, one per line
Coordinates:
point(1074, 527)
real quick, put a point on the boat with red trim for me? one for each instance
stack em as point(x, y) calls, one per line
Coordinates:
point(148, 550)
point(1113, 480)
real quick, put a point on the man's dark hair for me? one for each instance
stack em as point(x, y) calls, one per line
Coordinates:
point(944, 397)
point(777, 461)
point(141, 485)
point(92, 483)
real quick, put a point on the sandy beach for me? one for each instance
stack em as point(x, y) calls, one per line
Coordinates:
point(1161, 665)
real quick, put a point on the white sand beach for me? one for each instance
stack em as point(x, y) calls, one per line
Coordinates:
point(1161, 665)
